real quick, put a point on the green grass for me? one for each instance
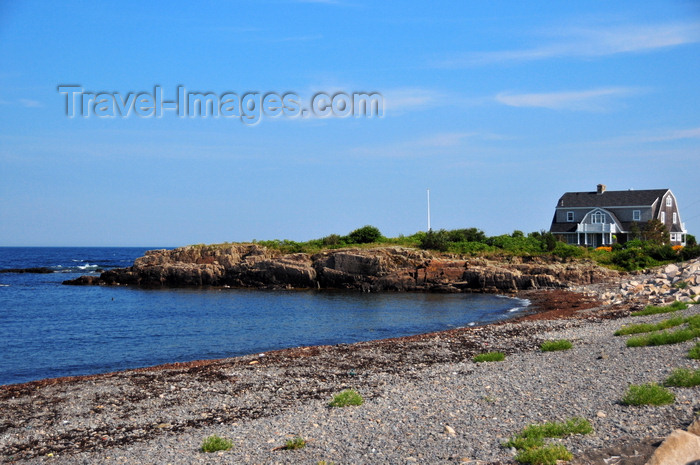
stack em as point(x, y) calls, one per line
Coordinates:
point(694, 352)
point(346, 398)
point(561, 344)
point(532, 448)
point(654, 310)
point(215, 443)
point(489, 357)
point(295, 443)
point(648, 394)
point(683, 377)
point(649, 327)
point(664, 338)
point(545, 455)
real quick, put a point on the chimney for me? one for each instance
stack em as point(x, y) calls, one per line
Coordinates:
point(601, 188)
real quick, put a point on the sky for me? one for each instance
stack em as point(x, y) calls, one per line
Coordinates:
point(497, 107)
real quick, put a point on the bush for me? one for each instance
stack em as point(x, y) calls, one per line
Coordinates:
point(435, 240)
point(365, 235)
point(689, 252)
point(215, 443)
point(551, 346)
point(489, 357)
point(346, 398)
point(664, 338)
point(466, 235)
point(648, 394)
point(564, 250)
point(631, 259)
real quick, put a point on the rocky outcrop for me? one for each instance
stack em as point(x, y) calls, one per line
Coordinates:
point(377, 269)
point(677, 281)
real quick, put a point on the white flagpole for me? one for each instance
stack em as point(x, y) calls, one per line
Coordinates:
point(428, 209)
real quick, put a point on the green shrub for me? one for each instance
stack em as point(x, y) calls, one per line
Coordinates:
point(683, 377)
point(435, 240)
point(489, 357)
point(215, 443)
point(632, 259)
point(648, 394)
point(295, 443)
point(365, 235)
point(561, 344)
point(346, 397)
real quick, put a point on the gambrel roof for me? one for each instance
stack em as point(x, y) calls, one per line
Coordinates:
point(629, 198)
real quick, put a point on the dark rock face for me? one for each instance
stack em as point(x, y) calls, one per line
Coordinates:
point(378, 269)
point(40, 269)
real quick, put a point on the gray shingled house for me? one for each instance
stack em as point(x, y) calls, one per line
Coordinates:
point(604, 217)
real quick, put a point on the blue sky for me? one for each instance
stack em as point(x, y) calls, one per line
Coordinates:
point(497, 107)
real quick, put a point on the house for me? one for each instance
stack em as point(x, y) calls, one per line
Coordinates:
point(604, 217)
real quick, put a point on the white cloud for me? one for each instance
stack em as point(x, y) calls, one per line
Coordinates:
point(402, 99)
point(582, 100)
point(660, 135)
point(30, 103)
point(444, 143)
point(589, 42)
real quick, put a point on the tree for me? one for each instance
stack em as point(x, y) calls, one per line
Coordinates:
point(690, 240)
point(655, 232)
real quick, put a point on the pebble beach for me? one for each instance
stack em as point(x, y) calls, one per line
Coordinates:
point(426, 401)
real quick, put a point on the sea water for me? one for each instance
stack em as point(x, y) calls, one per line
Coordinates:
point(49, 330)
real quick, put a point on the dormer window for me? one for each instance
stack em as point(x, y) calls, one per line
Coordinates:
point(636, 215)
point(669, 201)
point(598, 218)
point(570, 217)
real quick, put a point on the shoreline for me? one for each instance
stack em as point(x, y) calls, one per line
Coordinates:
point(413, 387)
point(544, 304)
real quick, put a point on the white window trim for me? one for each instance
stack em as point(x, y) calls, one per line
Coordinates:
point(669, 201)
point(598, 218)
point(570, 217)
point(663, 217)
point(636, 215)
point(675, 217)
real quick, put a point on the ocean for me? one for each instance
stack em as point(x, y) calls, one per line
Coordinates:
point(49, 330)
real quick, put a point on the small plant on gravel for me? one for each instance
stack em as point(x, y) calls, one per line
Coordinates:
point(694, 352)
point(664, 338)
point(649, 327)
point(648, 394)
point(561, 344)
point(532, 448)
point(295, 443)
point(547, 454)
point(654, 310)
point(215, 443)
point(489, 357)
point(346, 398)
point(683, 377)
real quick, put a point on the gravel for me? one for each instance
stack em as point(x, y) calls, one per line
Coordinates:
point(413, 388)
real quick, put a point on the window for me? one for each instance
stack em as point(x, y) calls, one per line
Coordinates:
point(669, 201)
point(598, 217)
point(636, 215)
point(674, 238)
point(675, 217)
point(663, 217)
point(570, 217)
